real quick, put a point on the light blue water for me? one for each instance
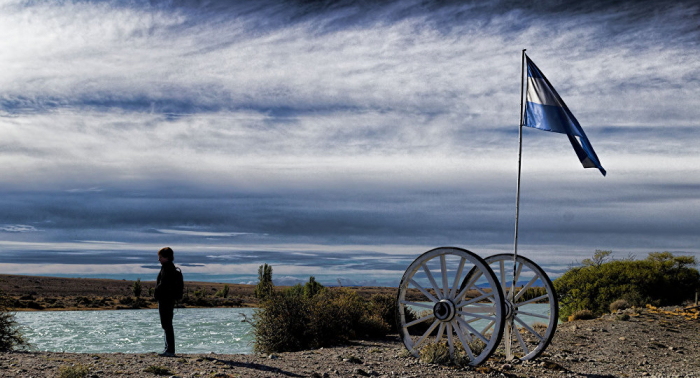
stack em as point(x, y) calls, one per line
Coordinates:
point(218, 330)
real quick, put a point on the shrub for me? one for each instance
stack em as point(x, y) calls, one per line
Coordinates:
point(661, 279)
point(10, 335)
point(157, 370)
point(137, 288)
point(435, 353)
point(384, 305)
point(291, 321)
point(439, 353)
point(581, 315)
point(623, 317)
point(619, 304)
point(76, 371)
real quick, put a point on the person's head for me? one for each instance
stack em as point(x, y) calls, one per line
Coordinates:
point(166, 254)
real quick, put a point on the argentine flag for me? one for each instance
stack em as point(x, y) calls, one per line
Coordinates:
point(545, 110)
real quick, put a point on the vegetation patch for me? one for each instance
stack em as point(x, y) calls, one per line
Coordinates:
point(312, 316)
point(581, 315)
point(619, 304)
point(661, 279)
point(157, 370)
point(75, 371)
point(10, 334)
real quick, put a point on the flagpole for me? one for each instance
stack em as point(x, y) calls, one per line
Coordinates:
point(520, 156)
point(511, 294)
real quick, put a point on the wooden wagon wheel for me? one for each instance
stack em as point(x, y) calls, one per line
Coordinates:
point(530, 338)
point(452, 306)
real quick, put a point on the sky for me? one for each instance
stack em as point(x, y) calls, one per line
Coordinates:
point(338, 139)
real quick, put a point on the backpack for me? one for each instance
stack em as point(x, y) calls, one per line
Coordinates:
point(179, 288)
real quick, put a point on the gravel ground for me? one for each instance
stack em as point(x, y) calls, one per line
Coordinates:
point(653, 344)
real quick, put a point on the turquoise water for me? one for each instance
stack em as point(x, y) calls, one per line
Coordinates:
point(218, 330)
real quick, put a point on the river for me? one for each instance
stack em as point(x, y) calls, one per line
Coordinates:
point(197, 330)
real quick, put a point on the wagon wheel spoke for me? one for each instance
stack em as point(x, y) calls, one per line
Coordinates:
point(422, 290)
point(450, 341)
point(524, 289)
point(518, 270)
point(465, 344)
point(421, 320)
point(441, 329)
point(467, 285)
point(475, 300)
point(443, 270)
point(521, 341)
point(527, 327)
point(473, 315)
point(455, 286)
point(425, 335)
point(432, 281)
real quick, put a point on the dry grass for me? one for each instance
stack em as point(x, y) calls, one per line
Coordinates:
point(582, 315)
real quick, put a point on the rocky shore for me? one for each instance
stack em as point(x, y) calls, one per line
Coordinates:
point(650, 343)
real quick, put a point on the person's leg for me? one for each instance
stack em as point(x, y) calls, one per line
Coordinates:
point(165, 309)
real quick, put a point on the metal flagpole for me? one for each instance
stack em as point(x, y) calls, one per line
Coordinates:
point(520, 157)
point(511, 294)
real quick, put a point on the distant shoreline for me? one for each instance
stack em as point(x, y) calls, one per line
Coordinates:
point(40, 293)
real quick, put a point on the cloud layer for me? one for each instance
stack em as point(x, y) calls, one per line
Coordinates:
point(327, 123)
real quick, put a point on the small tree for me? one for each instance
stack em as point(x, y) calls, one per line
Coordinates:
point(312, 287)
point(223, 292)
point(264, 287)
point(137, 288)
point(599, 258)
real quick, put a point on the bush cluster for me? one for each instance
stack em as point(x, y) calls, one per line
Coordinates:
point(297, 319)
point(661, 279)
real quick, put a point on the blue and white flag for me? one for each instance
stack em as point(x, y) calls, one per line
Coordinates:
point(545, 110)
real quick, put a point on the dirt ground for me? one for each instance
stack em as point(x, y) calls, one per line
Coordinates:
point(650, 344)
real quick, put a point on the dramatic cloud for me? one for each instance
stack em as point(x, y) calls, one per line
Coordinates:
point(335, 124)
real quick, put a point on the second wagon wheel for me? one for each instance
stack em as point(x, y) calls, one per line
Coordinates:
point(532, 309)
point(435, 303)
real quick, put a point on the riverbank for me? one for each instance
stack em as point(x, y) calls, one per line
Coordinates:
point(650, 343)
point(36, 293)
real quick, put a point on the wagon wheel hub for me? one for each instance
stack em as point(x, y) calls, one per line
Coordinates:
point(510, 309)
point(444, 310)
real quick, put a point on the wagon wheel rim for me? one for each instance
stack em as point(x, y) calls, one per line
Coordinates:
point(522, 340)
point(452, 308)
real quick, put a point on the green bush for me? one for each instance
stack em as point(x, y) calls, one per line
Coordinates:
point(292, 321)
point(661, 279)
point(10, 335)
point(76, 371)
